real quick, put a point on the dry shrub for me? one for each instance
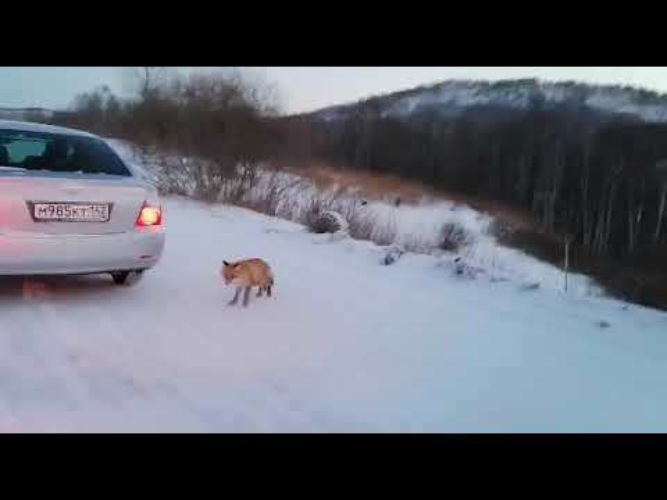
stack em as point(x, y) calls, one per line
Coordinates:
point(365, 225)
point(384, 234)
point(453, 237)
point(362, 224)
point(327, 222)
point(272, 198)
point(416, 244)
point(314, 215)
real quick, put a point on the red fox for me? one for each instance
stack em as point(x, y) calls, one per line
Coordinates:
point(246, 274)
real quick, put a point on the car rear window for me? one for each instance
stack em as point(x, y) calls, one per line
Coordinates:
point(58, 153)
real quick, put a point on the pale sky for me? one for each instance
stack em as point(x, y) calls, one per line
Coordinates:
point(306, 88)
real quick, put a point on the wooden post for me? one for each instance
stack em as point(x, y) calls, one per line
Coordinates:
point(566, 265)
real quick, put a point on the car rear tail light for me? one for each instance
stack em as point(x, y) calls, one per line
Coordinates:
point(149, 216)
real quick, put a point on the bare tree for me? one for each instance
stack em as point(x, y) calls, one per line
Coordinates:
point(661, 169)
point(143, 81)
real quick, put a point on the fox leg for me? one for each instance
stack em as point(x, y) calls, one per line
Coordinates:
point(259, 292)
point(246, 296)
point(236, 296)
point(268, 290)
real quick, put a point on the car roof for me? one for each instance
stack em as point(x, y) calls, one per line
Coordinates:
point(42, 127)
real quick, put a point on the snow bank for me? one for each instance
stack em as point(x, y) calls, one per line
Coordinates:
point(411, 227)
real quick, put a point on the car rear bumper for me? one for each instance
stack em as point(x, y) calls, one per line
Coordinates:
point(27, 254)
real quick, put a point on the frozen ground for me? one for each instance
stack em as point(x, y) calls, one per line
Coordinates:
point(346, 344)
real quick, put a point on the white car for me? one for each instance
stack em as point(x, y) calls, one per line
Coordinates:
point(70, 205)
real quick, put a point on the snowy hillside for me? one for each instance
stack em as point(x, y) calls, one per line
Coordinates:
point(346, 344)
point(453, 97)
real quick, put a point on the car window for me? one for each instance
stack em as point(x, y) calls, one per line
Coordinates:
point(19, 150)
point(58, 153)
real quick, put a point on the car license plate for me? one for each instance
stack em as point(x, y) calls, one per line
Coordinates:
point(70, 212)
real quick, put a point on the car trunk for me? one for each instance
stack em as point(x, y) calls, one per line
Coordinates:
point(71, 204)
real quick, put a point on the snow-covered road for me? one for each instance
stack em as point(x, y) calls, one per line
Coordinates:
point(346, 344)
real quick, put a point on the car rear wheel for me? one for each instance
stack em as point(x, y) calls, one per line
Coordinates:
point(126, 277)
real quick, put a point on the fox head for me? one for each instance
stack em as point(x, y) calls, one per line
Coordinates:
point(228, 272)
